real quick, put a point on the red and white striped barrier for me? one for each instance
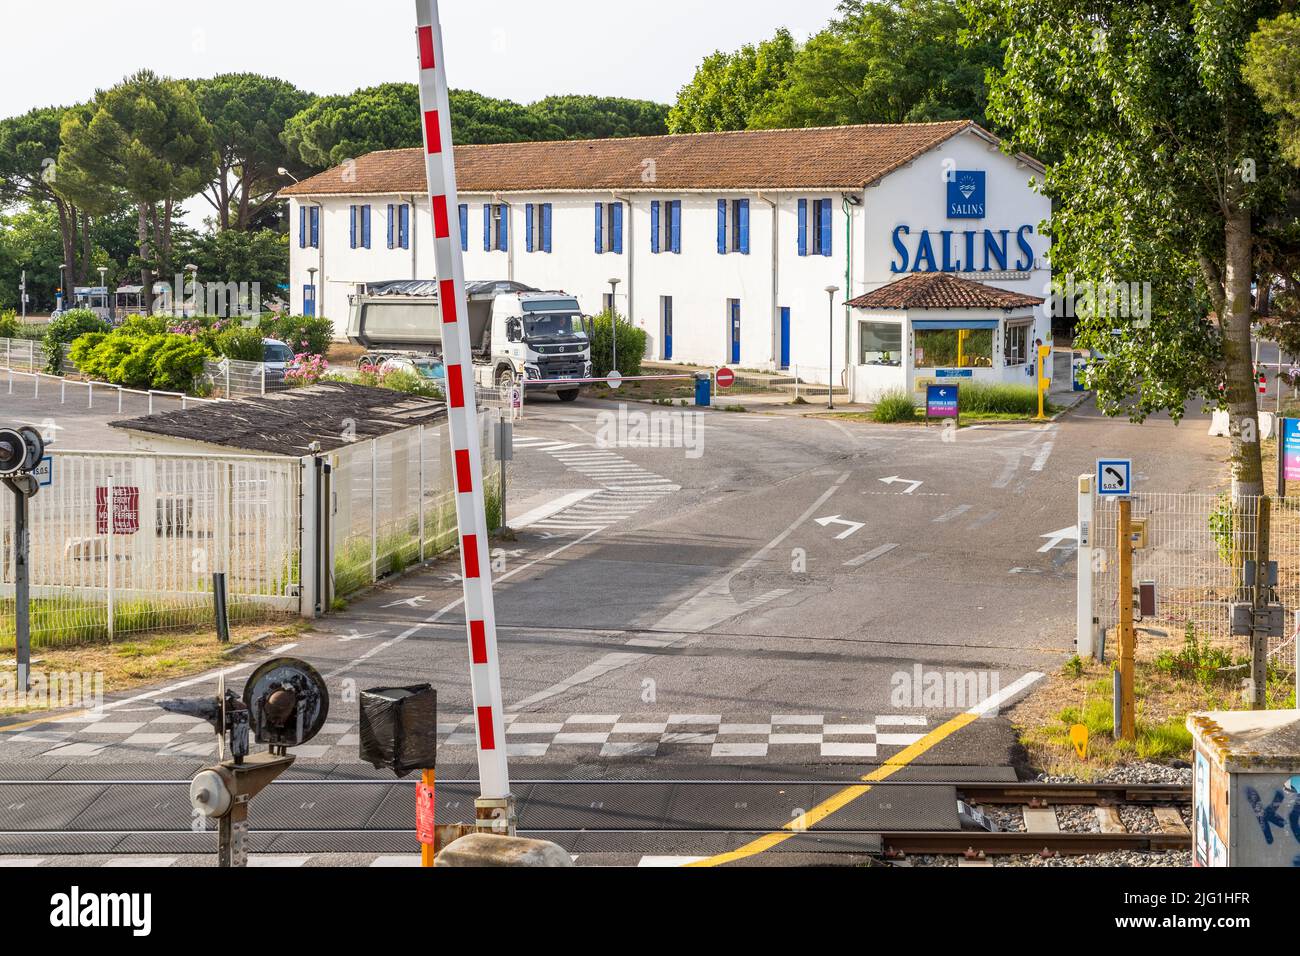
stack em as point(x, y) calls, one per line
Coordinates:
point(485, 669)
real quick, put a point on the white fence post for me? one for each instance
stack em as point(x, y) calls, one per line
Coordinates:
point(419, 498)
point(108, 504)
point(374, 507)
point(1085, 640)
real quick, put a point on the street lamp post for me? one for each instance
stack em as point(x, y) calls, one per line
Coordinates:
point(193, 270)
point(613, 325)
point(103, 284)
point(830, 345)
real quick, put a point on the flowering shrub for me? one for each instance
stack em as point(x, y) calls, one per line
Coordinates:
point(398, 379)
point(305, 369)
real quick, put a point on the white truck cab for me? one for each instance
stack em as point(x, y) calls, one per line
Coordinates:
point(516, 332)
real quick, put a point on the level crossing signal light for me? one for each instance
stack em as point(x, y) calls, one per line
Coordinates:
point(21, 451)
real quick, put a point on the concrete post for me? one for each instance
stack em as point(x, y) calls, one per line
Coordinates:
point(1085, 630)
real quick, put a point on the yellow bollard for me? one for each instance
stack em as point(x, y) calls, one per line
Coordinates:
point(1044, 383)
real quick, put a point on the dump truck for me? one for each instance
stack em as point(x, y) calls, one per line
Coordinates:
point(517, 333)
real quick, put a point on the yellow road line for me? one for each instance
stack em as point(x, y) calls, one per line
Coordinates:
point(50, 717)
point(844, 797)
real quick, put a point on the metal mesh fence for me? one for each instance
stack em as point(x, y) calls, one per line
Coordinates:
point(128, 543)
point(394, 502)
point(1194, 549)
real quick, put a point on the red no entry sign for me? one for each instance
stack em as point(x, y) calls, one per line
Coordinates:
point(725, 378)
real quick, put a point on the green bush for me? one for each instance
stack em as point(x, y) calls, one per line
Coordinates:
point(62, 331)
point(302, 333)
point(631, 346)
point(143, 325)
point(997, 398)
point(177, 362)
point(895, 406)
point(239, 343)
point(133, 358)
point(9, 325)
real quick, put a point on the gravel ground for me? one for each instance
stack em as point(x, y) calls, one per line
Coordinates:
point(1083, 819)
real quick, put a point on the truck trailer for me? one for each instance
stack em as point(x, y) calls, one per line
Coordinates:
point(517, 333)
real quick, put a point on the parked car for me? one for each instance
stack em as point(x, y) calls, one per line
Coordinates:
point(276, 356)
point(426, 367)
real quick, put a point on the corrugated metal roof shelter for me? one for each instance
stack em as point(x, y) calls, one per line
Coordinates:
point(335, 414)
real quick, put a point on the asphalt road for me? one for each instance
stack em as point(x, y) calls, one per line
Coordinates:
point(764, 603)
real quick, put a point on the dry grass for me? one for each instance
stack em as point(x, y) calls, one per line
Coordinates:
point(1081, 693)
point(149, 659)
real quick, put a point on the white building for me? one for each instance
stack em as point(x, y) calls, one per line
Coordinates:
point(724, 244)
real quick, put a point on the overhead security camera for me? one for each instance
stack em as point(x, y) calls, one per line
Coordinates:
point(21, 450)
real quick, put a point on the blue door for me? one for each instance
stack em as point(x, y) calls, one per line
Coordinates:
point(668, 327)
point(785, 338)
point(309, 300)
point(735, 331)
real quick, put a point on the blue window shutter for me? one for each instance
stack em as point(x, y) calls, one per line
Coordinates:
point(487, 227)
point(722, 227)
point(505, 228)
point(528, 227)
point(464, 227)
point(600, 228)
point(616, 227)
point(803, 227)
point(365, 225)
point(546, 227)
point(315, 227)
point(392, 226)
point(302, 227)
point(742, 213)
point(352, 227)
point(654, 225)
point(826, 228)
point(675, 225)
point(405, 225)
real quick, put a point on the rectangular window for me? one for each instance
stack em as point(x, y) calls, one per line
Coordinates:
point(609, 227)
point(815, 227)
point(464, 227)
point(953, 348)
point(666, 309)
point(359, 226)
point(399, 226)
point(537, 227)
point(740, 226)
point(880, 343)
point(1015, 349)
point(496, 227)
point(666, 225)
point(608, 300)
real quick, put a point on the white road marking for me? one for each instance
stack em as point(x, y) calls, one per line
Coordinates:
point(869, 556)
point(1044, 452)
point(551, 507)
point(1064, 534)
point(912, 484)
point(955, 513)
point(850, 526)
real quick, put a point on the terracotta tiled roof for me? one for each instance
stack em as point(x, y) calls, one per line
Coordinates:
point(941, 290)
point(832, 157)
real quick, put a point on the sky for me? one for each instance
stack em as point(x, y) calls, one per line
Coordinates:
point(59, 51)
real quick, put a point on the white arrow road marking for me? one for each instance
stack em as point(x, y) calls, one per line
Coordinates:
point(1065, 534)
point(907, 491)
point(1025, 571)
point(851, 526)
point(354, 636)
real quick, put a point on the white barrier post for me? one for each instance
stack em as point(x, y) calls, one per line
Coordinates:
point(1085, 635)
point(108, 548)
point(494, 809)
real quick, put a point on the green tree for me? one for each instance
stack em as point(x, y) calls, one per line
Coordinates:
point(601, 117)
point(261, 256)
point(29, 174)
point(476, 118)
point(29, 239)
point(885, 62)
point(147, 137)
point(1272, 69)
point(729, 88)
point(1164, 175)
point(247, 112)
point(337, 128)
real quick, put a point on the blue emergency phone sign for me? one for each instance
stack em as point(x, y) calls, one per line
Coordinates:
point(1115, 476)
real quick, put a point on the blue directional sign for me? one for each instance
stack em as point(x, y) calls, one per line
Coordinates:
point(941, 401)
point(1115, 476)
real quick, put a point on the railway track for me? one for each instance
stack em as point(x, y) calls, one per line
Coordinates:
point(891, 820)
